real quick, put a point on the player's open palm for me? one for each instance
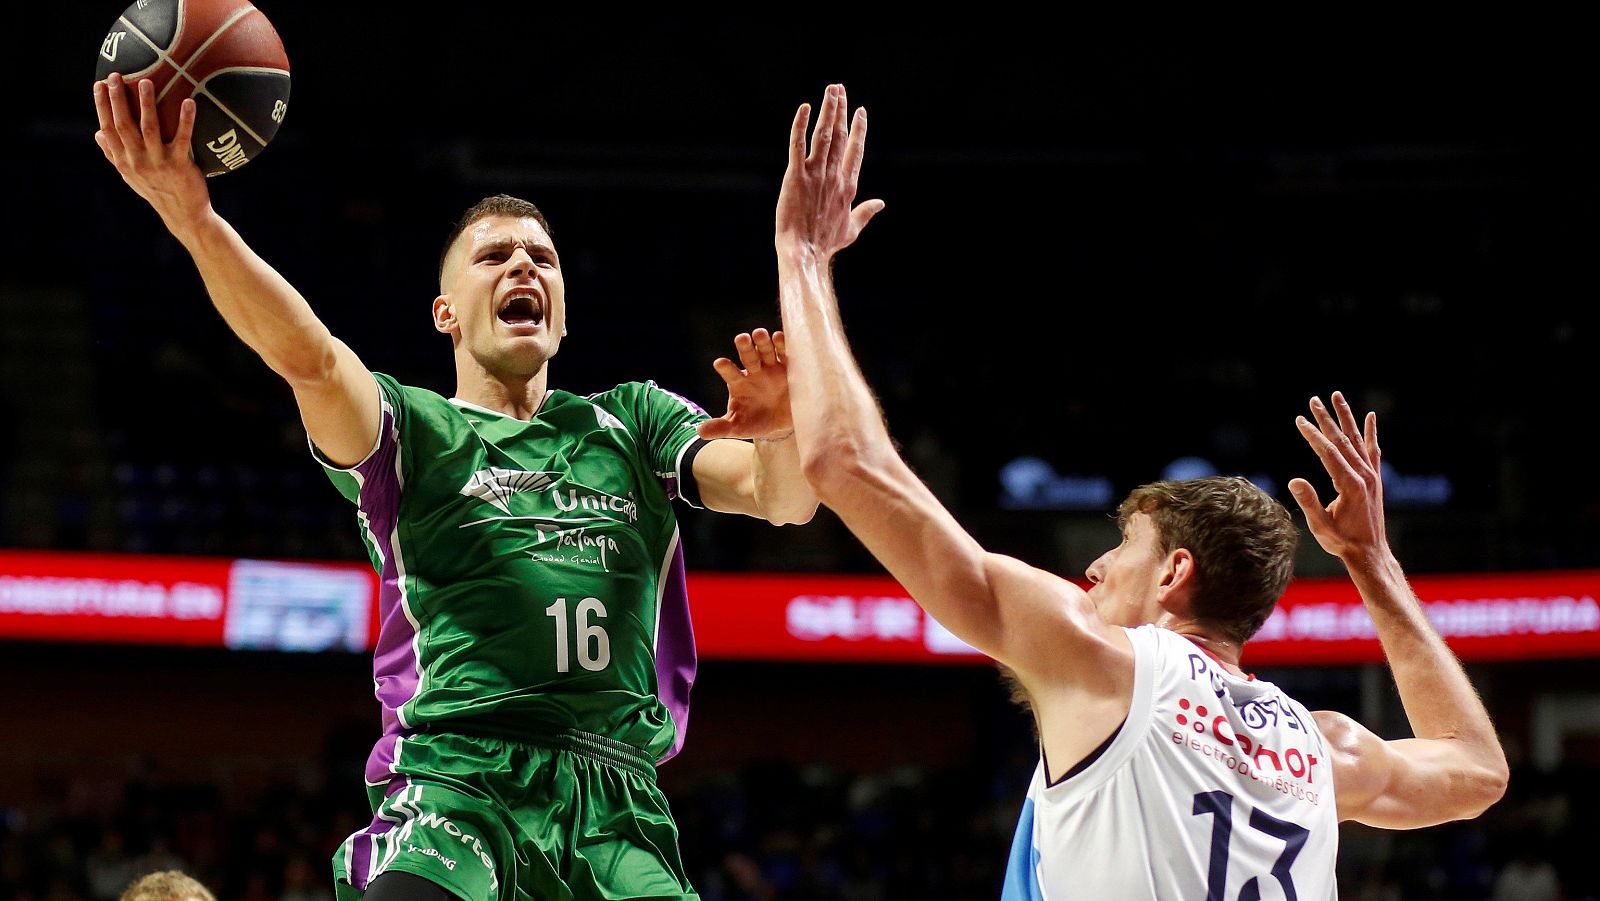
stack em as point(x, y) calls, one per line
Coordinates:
point(162, 172)
point(1353, 523)
point(758, 390)
point(815, 204)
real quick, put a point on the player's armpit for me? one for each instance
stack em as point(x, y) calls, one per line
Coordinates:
point(1407, 783)
point(341, 410)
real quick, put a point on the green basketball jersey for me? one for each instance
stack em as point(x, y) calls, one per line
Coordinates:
point(531, 575)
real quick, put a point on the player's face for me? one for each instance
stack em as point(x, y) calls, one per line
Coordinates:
point(1126, 579)
point(505, 295)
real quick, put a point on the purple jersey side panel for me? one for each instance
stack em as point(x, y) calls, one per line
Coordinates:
point(675, 653)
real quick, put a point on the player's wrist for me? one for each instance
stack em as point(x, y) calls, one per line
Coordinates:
point(192, 226)
point(1372, 562)
point(776, 437)
point(799, 252)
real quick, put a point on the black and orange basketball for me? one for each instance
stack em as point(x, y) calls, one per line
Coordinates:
point(224, 53)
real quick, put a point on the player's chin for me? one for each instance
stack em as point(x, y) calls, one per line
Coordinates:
point(529, 349)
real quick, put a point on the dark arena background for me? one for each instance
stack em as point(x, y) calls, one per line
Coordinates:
point(1105, 260)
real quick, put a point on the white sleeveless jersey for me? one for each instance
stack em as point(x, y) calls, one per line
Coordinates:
point(1216, 788)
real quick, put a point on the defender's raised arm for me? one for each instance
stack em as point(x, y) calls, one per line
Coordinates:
point(1454, 768)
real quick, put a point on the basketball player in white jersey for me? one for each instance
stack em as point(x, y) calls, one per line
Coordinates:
point(1165, 770)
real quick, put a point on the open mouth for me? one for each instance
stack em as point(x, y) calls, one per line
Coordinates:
point(522, 309)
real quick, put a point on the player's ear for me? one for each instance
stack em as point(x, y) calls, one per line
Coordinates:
point(444, 314)
point(1177, 573)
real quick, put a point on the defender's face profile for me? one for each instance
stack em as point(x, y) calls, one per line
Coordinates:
point(1126, 577)
point(506, 296)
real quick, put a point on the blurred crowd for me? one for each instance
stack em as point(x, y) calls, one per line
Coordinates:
point(774, 831)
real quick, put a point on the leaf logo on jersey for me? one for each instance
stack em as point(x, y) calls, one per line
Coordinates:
point(496, 485)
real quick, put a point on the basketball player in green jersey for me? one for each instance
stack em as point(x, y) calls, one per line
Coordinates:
point(534, 654)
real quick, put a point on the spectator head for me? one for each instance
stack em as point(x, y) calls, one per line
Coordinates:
point(167, 885)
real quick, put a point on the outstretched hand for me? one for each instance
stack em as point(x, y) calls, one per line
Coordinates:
point(1352, 525)
point(814, 205)
point(758, 390)
point(162, 172)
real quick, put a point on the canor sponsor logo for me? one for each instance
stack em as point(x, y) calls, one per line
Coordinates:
point(1199, 718)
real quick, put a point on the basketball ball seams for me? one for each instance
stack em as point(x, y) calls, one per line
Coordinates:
point(221, 51)
point(136, 31)
point(204, 46)
point(223, 108)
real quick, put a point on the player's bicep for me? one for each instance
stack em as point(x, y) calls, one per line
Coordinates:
point(342, 413)
point(1001, 606)
point(1405, 783)
point(1049, 628)
point(724, 476)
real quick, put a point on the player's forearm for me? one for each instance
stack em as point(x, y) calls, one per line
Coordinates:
point(781, 490)
point(852, 464)
point(838, 426)
point(1439, 700)
point(261, 307)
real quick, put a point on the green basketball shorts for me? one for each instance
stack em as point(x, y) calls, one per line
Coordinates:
point(578, 817)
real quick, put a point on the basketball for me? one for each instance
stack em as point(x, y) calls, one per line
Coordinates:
point(224, 54)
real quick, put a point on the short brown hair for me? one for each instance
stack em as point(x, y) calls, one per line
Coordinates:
point(166, 885)
point(497, 205)
point(1242, 540)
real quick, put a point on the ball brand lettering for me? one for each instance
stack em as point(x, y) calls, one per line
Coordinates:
point(229, 152)
point(434, 853)
point(108, 47)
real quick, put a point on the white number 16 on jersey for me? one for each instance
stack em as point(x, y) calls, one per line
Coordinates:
point(594, 645)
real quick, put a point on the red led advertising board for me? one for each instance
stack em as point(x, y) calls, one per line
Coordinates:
point(1490, 616)
point(256, 604)
point(244, 604)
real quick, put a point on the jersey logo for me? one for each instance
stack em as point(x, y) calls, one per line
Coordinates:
point(496, 485)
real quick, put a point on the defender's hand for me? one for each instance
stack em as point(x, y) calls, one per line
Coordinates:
point(1350, 528)
point(758, 393)
point(163, 173)
point(814, 205)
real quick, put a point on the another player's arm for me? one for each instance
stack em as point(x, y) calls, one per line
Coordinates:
point(1028, 619)
point(1454, 768)
point(761, 476)
point(337, 396)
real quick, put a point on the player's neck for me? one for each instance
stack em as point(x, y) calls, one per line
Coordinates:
point(516, 396)
point(1223, 650)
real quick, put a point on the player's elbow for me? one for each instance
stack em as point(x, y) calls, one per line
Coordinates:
point(304, 367)
point(1486, 785)
point(1477, 786)
point(793, 505)
point(1491, 776)
point(797, 514)
point(836, 467)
